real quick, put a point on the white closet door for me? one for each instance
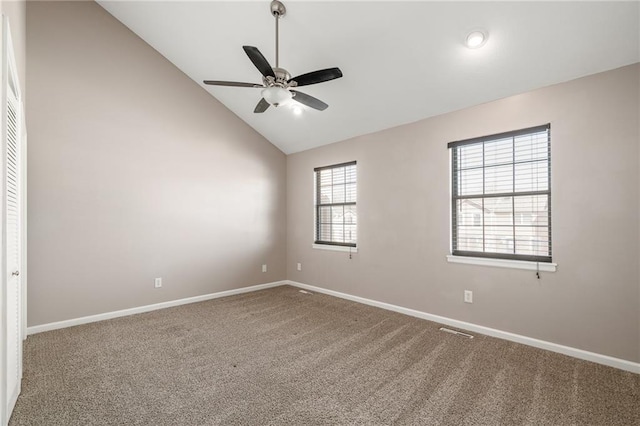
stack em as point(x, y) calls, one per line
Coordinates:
point(14, 339)
point(11, 233)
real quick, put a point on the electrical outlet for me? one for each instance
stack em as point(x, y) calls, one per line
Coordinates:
point(158, 283)
point(468, 296)
point(299, 266)
point(264, 268)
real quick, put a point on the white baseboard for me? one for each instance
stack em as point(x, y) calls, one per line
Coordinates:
point(124, 312)
point(622, 364)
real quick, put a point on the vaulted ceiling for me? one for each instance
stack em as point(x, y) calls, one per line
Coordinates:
point(402, 61)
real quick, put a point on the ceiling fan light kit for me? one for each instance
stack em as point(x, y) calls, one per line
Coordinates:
point(297, 108)
point(276, 95)
point(277, 83)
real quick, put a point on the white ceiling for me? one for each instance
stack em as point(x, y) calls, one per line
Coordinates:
point(402, 61)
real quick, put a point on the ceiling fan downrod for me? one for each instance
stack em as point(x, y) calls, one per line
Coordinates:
point(278, 10)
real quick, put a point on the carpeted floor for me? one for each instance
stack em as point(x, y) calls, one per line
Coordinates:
point(281, 357)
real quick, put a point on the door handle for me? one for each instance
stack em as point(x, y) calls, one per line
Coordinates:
point(15, 273)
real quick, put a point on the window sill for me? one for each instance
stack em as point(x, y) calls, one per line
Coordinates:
point(504, 263)
point(335, 248)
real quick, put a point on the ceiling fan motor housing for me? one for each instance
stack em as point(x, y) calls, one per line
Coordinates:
point(282, 77)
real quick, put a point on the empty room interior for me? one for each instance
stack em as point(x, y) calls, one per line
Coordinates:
point(320, 213)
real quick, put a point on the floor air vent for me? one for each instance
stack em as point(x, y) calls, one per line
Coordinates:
point(459, 333)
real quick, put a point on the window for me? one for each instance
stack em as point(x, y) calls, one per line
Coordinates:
point(336, 214)
point(501, 196)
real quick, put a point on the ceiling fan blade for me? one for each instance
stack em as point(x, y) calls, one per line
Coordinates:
point(262, 106)
point(232, 84)
point(259, 61)
point(317, 76)
point(309, 101)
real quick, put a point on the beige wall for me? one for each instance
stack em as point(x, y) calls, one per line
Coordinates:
point(135, 172)
point(591, 302)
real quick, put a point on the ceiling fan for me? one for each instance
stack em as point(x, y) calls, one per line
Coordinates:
point(277, 83)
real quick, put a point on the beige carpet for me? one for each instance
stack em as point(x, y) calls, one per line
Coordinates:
point(281, 357)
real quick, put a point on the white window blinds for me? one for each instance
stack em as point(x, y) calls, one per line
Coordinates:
point(336, 212)
point(501, 195)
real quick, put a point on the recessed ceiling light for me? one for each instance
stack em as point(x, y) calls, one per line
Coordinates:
point(476, 39)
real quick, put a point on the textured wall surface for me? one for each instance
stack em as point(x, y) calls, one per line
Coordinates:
point(592, 302)
point(135, 172)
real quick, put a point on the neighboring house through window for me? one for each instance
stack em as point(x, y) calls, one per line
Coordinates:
point(336, 213)
point(501, 196)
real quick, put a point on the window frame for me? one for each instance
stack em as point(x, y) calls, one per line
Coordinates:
point(484, 256)
point(317, 242)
